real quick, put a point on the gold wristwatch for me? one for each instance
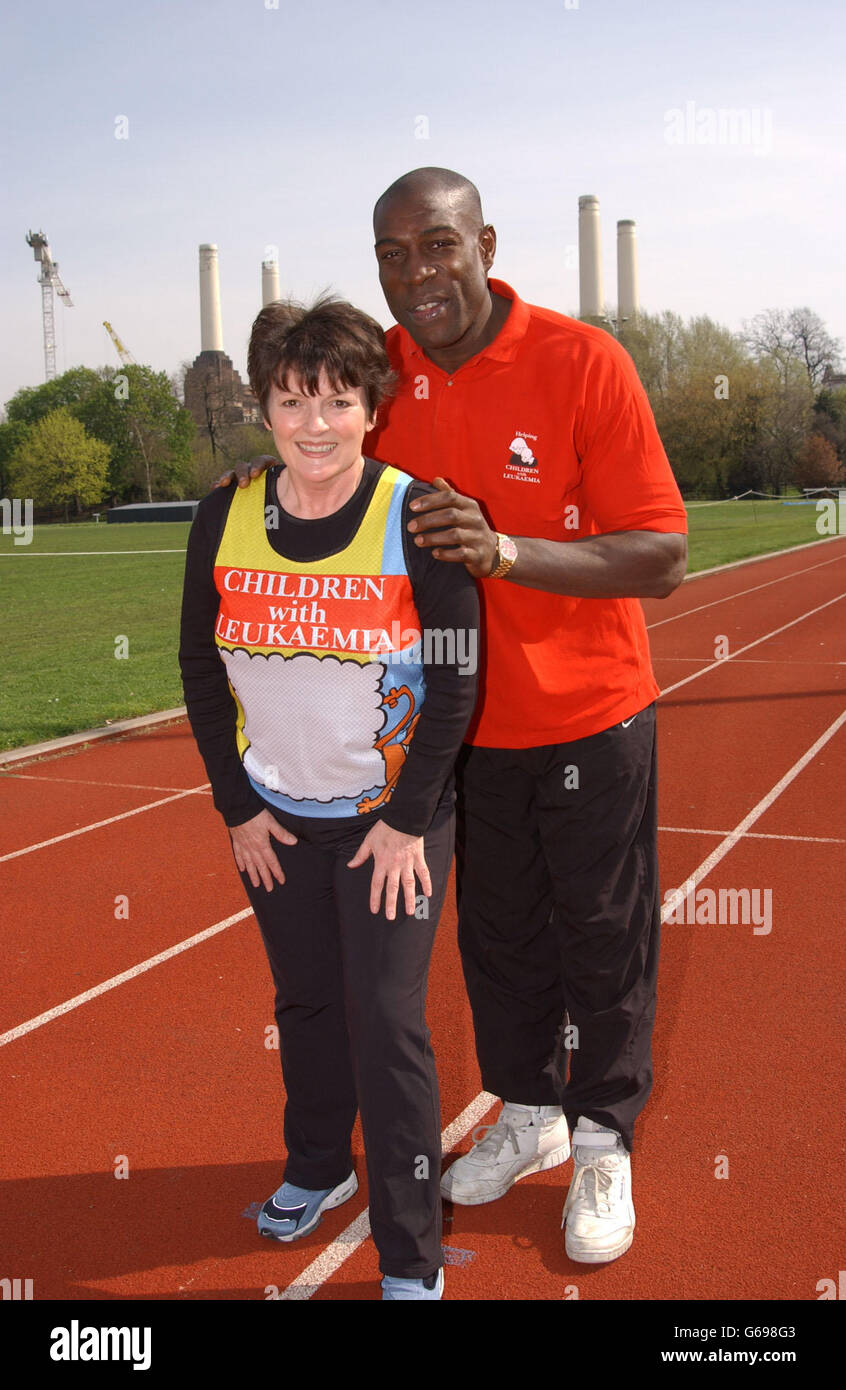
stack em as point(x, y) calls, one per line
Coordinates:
point(506, 554)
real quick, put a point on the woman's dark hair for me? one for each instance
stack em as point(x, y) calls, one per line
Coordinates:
point(332, 336)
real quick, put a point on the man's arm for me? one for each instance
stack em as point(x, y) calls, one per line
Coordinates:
point(625, 564)
point(628, 564)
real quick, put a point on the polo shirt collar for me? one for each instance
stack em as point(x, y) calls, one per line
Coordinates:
point(505, 345)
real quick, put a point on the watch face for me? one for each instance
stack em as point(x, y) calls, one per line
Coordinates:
point(507, 549)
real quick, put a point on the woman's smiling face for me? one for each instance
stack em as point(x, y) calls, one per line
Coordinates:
point(318, 437)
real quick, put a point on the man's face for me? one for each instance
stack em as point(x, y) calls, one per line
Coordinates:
point(433, 265)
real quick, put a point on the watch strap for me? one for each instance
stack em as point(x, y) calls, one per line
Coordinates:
point(503, 560)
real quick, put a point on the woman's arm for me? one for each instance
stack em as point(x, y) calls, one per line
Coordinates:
point(211, 708)
point(212, 713)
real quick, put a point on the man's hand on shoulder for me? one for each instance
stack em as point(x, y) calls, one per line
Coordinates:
point(453, 528)
point(244, 473)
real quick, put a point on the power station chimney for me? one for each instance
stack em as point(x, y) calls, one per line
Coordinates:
point(590, 262)
point(269, 282)
point(211, 328)
point(627, 296)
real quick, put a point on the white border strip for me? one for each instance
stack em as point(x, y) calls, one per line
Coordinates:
point(346, 1244)
point(47, 554)
point(35, 750)
point(755, 559)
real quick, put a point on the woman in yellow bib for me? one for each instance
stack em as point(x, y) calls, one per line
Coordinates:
point(329, 668)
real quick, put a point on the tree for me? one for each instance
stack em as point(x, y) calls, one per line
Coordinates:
point(58, 463)
point(696, 376)
point(653, 341)
point(32, 403)
point(818, 464)
point(148, 431)
point(133, 410)
point(238, 442)
point(730, 419)
point(813, 344)
point(797, 337)
point(177, 380)
point(12, 435)
point(780, 416)
point(829, 418)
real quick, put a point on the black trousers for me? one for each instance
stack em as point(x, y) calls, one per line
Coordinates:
point(350, 1007)
point(559, 919)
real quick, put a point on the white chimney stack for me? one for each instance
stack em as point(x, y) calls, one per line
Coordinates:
point(211, 328)
point(590, 261)
point(627, 296)
point(269, 282)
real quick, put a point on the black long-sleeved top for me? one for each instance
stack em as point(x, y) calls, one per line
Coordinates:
point(445, 596)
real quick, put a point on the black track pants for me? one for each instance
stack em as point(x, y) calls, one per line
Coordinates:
point(350, 1006)
point(559, 915)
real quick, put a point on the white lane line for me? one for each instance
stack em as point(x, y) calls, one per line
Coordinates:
point(121, 979)
point(314, 1275)
point(722, 849)
point(741, 592)
point(754, 835)
point(724, 660)
point(760, 661)
point(98, 824)
point(85, 782)
point(48, 554)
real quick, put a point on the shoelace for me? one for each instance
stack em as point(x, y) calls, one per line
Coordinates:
point(604, 1182)
point(494, 1137)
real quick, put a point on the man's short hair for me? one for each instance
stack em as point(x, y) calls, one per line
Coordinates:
point(447, 181)
point(331, 335)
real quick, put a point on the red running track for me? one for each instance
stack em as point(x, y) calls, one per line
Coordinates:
point(168, 1075)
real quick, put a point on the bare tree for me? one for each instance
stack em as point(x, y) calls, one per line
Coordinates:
point(790, 339)
point(813, 343)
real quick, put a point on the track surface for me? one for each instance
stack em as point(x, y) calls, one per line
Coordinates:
point(168, 1072)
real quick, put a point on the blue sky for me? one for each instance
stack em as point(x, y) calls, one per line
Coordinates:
point(252, 126)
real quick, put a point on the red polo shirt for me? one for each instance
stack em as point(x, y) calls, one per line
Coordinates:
point(550, 430)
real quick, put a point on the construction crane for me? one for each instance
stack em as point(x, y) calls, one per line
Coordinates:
point(123, 353)
point(48, 279)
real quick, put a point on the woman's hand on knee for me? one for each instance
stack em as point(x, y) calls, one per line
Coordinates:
point(397, 858)
point(253, 848)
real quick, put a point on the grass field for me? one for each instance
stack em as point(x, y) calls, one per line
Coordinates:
point(65, 611)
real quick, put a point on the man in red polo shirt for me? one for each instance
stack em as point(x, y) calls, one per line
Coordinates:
point(560, 500)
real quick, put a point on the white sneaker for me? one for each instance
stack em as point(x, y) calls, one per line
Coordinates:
point(598, 1212)
point(525, 1139)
